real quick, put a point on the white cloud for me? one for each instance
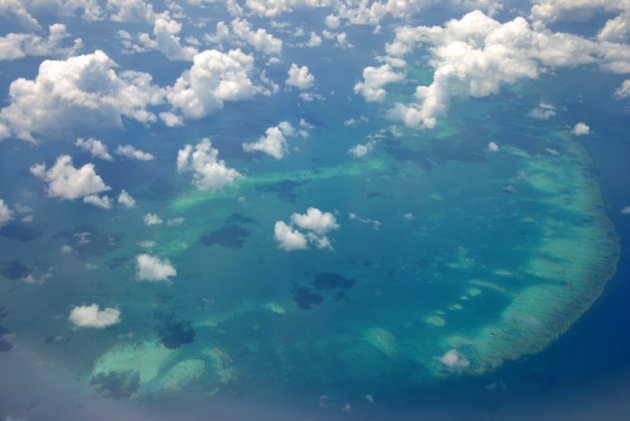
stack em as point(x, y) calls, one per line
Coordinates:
point(173, 222)
point(374, 80)
point(314, 40)
point(126, 200)
point(274, 141)
point(288, 238)
point(581, 129)
point(131, 11)
point(80, 92)
point(475, 55)
point(214, 77)
point(361, 150)
point(552, 10)
point(209, 172)
point(24, 10)
point(170, 119)
point(129, 151)
point(100, 201)
point(543, 111)
point(92, 316)
point(300, 77)
point(453, 359)
point(152, 219)
point(166, 40)
point(66, 182)
point(95, 147)
point(16, 46)
point(626, 210)
point(271, 8)
point(624, 90)
point(6, 214)
point(616, 29)
point(151, 268)
point(241, 33)
point(315, 220)
point(492, 147)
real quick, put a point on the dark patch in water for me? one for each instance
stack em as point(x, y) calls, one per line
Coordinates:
point(543, 380)
point(117, 261)
point(231, 236)
point(88, 242)
point(305, 298)
point(376, 194)
point(285, 189)
point(22, 232)
point(117, 384)
point(239, 218)
point(3, 312)
point(418, 157)
point(325, 281)
point(14, 269)
point(173, 333)
point(158, 190)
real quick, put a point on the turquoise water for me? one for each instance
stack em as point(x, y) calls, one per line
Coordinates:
point(451, 246)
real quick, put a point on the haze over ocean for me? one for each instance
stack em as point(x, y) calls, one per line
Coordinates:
point(261, 209)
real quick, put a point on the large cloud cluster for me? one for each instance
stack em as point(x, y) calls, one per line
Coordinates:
point(473, 56)
point(81, 92)
point(16, 46)
point(209, 172)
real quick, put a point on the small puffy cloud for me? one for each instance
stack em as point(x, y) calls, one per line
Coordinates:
point(288, 238)
point(16, 46)
point(543, 112)
point(453, 359)
point(361, 150)
point(374, 80)
point(92, 316)
point(131, 11)
point(314, 40)
point(626, 210)
point(170, 119)
point(214, 78)
point(315, 220)
point(126, 200)
point(6, 214)
point(274, 141)
point(624, 90)
point(300, 77)
point(66, 182)
point(240, 32)
point(492, 147)
point(100, 201)
point(129, 151)
point(95, 147)
point(581, 129)
point(152, 219)
point(173, 222)
point(166, 40)
point(153, 269)
point(209, 172)
point(80, 92)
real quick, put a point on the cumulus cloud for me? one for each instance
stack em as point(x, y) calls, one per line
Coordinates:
point(475, 55)
point(453, 359)
point(315, 225)
point(288, 238)
point(374, 80)
point(80, 92)
point(153, 269)
point(213, 78)
point(240, 32)
point(300, 77)
point(131, 11)
point(152, 219)
point(616, 29)
point(129, 151)
point(209, 172)
point(271, 8)
point(552, 10)
point(360, 150)
point(274, 141)
point(166, 40)
point(16, 46)
point(492, 147)
point(626, 210)
point(95, 147)
point(6, 214)
point(543, 111)
point(23, 10)
point(100, 201)
point(126, 200)
point(66, 182)
point(581, 129)
point(624, 90)
point(92, 316)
